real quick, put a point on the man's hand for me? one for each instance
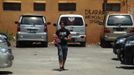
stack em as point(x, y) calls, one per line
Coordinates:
point(68, 38)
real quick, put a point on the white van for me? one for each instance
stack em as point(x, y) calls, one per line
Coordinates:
point(77, 27)
point(116, 24)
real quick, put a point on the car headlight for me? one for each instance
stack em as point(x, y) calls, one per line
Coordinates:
point(1, 41)
point(121, 40)
point(3, 50)
point(129, 43)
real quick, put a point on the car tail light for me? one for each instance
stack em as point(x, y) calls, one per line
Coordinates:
point(18, 28)
point(45, 29)
point(131, 30)
point(106, 30)
point(83, 36)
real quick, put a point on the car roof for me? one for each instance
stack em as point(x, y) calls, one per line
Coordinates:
point(130, 38)
point(71, 15)
point(32, 14)
point(119, 14)
point(125, 35)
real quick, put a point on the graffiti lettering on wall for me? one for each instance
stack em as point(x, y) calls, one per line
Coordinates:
point(94, 16)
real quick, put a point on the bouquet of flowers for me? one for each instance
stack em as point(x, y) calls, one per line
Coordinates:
point(56, 39)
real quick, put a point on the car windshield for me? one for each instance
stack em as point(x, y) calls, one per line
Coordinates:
point(123, 20)
point(32, 20)
point(76, 21)
point(2, 44)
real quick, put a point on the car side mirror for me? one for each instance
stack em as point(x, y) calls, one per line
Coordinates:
point(16, 22)
point(86, 25)
point(48, 23)
point(54, 24)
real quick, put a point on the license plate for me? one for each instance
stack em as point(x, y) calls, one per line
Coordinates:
point(119, 29)
point(32, 30)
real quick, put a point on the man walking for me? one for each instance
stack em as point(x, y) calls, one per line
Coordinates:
point(64, 35)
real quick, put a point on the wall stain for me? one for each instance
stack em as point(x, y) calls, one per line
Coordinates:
point(94, 16)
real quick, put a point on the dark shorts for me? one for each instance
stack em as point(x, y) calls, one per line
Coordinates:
point(62, 51)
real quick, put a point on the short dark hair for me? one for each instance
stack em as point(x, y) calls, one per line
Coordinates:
point(62, 22)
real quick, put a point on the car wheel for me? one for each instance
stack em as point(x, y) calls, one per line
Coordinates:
point(10, 63)
point(121, 57)
point(114, 51)
point(128, 60)
point(133, 60)
point(12, 57)
point(44, 44)
point(17, 43)
point(104, 43)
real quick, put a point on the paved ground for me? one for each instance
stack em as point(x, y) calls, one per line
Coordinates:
point(90, 60)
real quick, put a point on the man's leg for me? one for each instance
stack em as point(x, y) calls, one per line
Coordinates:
point(60, 63)
point(65, 51)
point(60, 56)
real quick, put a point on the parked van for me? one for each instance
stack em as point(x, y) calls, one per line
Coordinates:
point(116, 24)
point(77, 27)
point(32, 28)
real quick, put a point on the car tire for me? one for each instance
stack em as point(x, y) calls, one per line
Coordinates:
point(10, 63)
point(115, 50)
point(104, 43)
point(127, 60)
point(133, 60)
point(12, 57)
point(17, 44)
point(44, 44)
point(120, 56)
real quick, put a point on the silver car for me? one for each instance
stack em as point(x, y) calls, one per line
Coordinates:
point(4, 36)
point(6, 56)
point(32, 28)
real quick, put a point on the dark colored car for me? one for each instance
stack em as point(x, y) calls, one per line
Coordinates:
point(119, 41)
point(119, 48)
point(127, 52)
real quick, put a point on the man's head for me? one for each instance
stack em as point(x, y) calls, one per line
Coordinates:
point(62, 24)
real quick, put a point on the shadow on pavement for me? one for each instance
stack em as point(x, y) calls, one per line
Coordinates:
point(126, 67)
point(74, 45)
point(116, 59)
point(31, 46)
point(59, 70)
point(5, 72)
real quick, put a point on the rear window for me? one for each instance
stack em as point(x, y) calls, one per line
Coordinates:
point(38, 20)
point(75, 21)
point(122, 20)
